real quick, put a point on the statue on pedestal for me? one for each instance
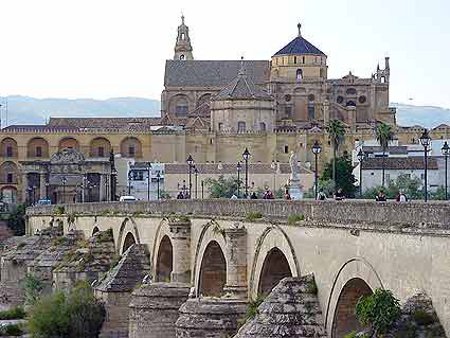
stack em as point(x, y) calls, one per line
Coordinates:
point(295, 188)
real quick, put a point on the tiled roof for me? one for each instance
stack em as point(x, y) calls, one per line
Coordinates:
point(242, 87)
point(102, 122)
point(209, 73)
point(399, 163)
point(389, 150)
point(300, 46)
point(229, 168)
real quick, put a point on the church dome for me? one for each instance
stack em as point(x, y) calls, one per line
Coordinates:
point(299, 46)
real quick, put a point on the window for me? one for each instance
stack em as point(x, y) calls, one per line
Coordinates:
point(9, 151)
point(288, 111)
point(131, 151)
point(322, 72)
point(303, 60)
point(220, 126)
point(9, 178)
point(138, 175)
point(299, 75)
point(182, 106)
point(241, 127)
point(286, 149)
point(311, 97)
point(362, 99)
point(351, 91)
point(340, 99)
point(101, 152)
point(311, 111)
point(181, 57)
point(38, 151)
point(262, 126)
point(350, 104)
point(287, 97)
point(295, 59)
point(388, 178)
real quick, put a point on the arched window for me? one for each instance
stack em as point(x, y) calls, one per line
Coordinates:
point(241, 127)
point(295, 59)
point(69, 143)
point(181, 57)
point(131, 147)
point(311, 111)
point(9, 173)
point(299, 75)
point(100, 147)
point(9, 147)
point(181, 105)
point(262, 126)
point(205, 98)
point(350, 104)
point(351, 91)
point(37, 147)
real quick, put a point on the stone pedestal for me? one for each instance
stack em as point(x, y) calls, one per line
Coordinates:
point(210, 317)
point(154, 309)
point(181, 240)
point(295, 189)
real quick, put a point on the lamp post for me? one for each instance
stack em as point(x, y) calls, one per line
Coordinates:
point(196, 178)
point(113, 180)
point(246, 156)
point(316, 149)
point(446, 152)
point(158, 177)
point(129, 183)
point(202, 185)
point(190, 162)
point(361, 157)
point(273, 166)
point(149, 179)
point(64, 181)
point(238, 170)
point(425, 140)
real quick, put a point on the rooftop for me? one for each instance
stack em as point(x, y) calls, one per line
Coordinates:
point(300, 46)
point(399, 163)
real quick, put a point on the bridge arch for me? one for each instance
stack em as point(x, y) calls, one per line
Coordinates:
point(207, 236)
point(275, 268)
point(272, 238)
point(129, 241)
point(213, 271)
point(355, 277)
point(164, 260)
point(127, 226)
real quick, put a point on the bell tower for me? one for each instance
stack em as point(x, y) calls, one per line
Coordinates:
point(183, 47)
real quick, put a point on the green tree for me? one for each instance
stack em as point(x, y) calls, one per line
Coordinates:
point(345, 179)
point(223, 187)
point(16, 220)
point(32, 287)
point(336, 130)
point(439, 194)
point(384, 134)
point(73, 315)
point(410, 186)
point(379, 310)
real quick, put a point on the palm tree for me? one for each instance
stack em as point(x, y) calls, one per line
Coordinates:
point(336, 130)
point(384, 134)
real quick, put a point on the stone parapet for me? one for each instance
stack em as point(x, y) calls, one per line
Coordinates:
point(154, 309)
point(432, 215)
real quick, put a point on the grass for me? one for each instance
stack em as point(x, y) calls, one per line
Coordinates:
point(105, 236)
point(14, 313)
point(294, 218)
point(253, 216)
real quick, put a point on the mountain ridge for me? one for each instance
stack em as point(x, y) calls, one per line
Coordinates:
point(29, 110)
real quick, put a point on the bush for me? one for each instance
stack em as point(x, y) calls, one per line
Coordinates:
point(11, 330)
point(72, 315)
point(32, 287)
point(422, 317)
point(379, 310)
point(14, 313)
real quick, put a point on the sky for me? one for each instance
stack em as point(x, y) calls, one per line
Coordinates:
point(115, 48)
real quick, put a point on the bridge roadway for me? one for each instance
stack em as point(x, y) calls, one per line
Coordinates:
point(351, 247)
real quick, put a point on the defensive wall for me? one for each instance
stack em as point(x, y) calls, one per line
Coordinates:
point(243, 248)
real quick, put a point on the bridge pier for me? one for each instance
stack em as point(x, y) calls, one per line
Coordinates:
point(236, 254)
point(181, 242)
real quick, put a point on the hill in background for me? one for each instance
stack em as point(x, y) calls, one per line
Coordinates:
point(28, 110)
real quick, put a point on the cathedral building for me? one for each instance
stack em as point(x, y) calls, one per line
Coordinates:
point(212, 110)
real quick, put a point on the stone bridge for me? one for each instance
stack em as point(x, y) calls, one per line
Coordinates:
point(244, 248)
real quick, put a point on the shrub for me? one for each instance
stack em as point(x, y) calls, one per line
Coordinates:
point(11, 330)
point(76, 314)
point(14, 313)
point(32, 287)
point(252, 309)
point(253, 216)
point(105, 236)
point(293, 219)
point(379, 310)
point(59, 210)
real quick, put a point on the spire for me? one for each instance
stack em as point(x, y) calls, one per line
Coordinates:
point(183, 47)
point(299, 27)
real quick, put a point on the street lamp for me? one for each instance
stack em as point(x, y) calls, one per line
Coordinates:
point(158, 177)
point(425, 140)
point(316, 149)
point(149, 167)
point(203, 186)
point(190, 162)
point(446, 152)
point(196, 178)
point(129, 183)
point(273, 166)
point(238, 170)
point(64, 181)
point(246, 156)
point(361, 157)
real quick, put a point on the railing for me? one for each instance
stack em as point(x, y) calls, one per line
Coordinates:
point(434, 215)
